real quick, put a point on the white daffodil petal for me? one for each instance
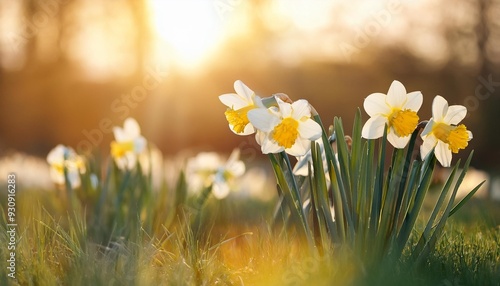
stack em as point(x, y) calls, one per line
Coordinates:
point(249, 129)
point(284, 107)
point(301, 167)
point(262, 119)
point(131, 128)
point(56, 176)
point(470, 135)
point(269, 146)
point(56, 155)
point(455, 114)
point(237, 168)
point(301, 109)
point(234, 101)
point(257, 101)
point(427, 146)
point(375, 104)
point(260, 136)
point(130, 160)
point(243, 90)
point(234, 157)
point(428, 128)
point(139, 144)
point(414, 101)
point(120, 134)
point(309, 129)
point(396, 96)
point(374, 127)
point(74, 179)
point(443, 153)
point(220, 190)
point(207, 160)
point(301, 170)
point(134, 144)
point(439, 108)
point(396, 141)
point(300, 147)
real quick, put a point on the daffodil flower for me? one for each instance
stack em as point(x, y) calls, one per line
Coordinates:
point(398, 110)
point(443, 133)
point(228, 172)
point(209, 169)
point(128, 144)
point(288, 127)
point(61, 158)
point(200, 170)
point(239, 104)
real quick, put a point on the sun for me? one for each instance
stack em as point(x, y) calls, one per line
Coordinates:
point(190, 29)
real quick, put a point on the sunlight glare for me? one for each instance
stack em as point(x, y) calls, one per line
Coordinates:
point(189, 29)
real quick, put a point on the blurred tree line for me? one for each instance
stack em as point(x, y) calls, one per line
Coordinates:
point(67, 65)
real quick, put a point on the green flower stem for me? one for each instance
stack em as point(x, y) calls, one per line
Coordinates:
point(100, 217)
point(356, 166)
point(388, 207)
point(404, 178)
point(122, 187)
point(344, 179)
point(280, 211)
point(424, 181)
point(288, 186)
point(200, 202)
point(339, 196)
point(378, 187)
point(334, 195)
point(320, 197)
point(72, 198)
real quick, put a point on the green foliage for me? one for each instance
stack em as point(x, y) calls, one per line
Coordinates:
point(363, 207)
point(62, 247)
point(375, 205)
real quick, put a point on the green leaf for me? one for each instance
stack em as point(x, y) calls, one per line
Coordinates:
point(343, 178)
point(379, 186)
point(342, 213)
point(365, 186)
point(356, 163)
point(291, 195)
point(416, 204)
point(344, 159)
point(429, 246)
point(403, 187)
point(388, 212)
point(466, 198)
point(321, 194)
point(444, 192)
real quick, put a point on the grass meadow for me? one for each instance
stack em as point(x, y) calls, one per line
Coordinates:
point(85, 238)
point(343, 210)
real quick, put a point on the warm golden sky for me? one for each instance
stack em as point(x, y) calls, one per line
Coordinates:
point(66, 57)
point(187, 33)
